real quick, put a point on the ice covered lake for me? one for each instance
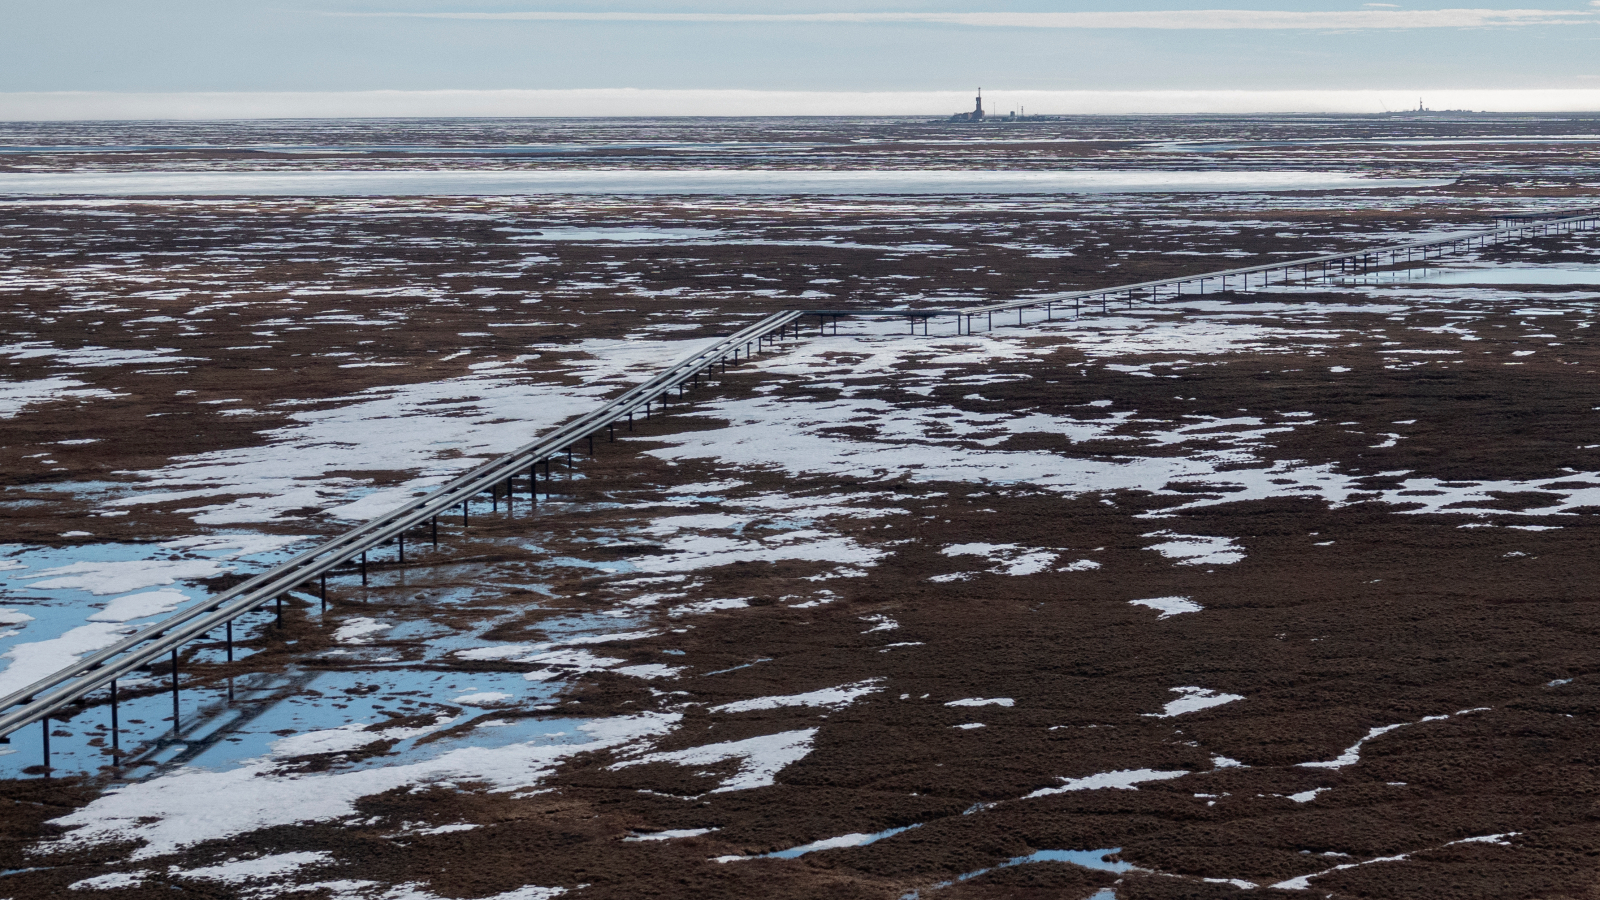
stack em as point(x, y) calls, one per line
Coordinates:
point(676, 181)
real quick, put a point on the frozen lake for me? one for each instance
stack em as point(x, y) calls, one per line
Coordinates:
point(679, 181)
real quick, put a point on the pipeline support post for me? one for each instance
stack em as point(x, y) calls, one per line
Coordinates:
point(174, 690)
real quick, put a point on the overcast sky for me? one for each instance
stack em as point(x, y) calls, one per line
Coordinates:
point(180, 46)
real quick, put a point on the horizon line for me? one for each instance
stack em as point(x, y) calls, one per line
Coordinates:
point(1162, 20)
point(44, 106)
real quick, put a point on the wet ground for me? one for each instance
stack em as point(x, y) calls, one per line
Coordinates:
point(1271, 592)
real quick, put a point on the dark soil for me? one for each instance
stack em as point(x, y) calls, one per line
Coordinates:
point(1339, 619)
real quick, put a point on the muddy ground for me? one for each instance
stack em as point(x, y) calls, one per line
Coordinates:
point(1363, 514)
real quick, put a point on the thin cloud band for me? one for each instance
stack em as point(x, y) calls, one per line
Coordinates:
point(1170, 20)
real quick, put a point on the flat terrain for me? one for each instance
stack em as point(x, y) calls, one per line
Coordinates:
point(1262, 592)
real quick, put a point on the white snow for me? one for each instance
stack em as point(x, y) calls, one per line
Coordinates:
point(1013, 559)
point(689, 552)
point(109, 882)
point(451, 829)
point(434, 429)
point(16, 395)
point(762, 758)
point(1169, 606)
point(1352, 754)
point(834, 843)
point(833, 698)
point(1122, 780)
point(1303, 882)
point(414, 891)
point(13, 617)
point(359, 630)
point(101, 578)
point(345, 738)
point(672, 834)
point(485, 698)
point(1197, 550)
point(1307, 796)
point(1030, 563)
point(1193, 700)
point(649, 670)
point(174, 811)
point(139, 606)
point(240, 544)
point(275, 867)
point(976, 549)
point(978, 701)
point(33, 661)
point(880, 623)
point(702, 607)
point(563, 662)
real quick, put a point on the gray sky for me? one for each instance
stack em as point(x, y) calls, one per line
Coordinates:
point(180, 46)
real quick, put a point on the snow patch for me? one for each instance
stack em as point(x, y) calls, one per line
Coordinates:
point(1121, 780)
point(358, 630)
point(1194, 699)
point(1197, 550)
point(102, 578)
point(832, 698)
point(139, 606)
point(1169, 606)
point(179, 810)
point(762, 758)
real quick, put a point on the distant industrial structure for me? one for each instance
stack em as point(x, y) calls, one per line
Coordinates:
point(978, 115)
point(975, 116)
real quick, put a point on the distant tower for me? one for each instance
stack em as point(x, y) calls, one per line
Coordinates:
point(977, 113)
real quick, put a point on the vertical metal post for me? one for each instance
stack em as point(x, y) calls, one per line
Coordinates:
point(464, 514)
point(46, 723)
point(402, 538)
point(325, 574)
point(278, 602)
point(114, 739)
point(174, 690)
point(230, 653)
point(363, 568)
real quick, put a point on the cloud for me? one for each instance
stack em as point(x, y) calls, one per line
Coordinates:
point(1173, 20)
point(59, 106)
